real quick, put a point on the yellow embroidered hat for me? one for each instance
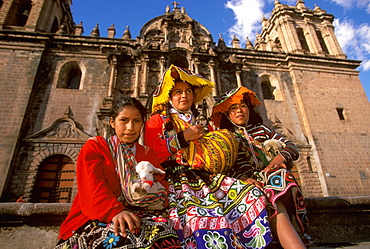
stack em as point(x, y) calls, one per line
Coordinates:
point(234, 96)
point(161, 96)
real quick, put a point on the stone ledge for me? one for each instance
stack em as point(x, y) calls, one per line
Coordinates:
point(319, 203)
point(33, 214)
point(332, 219)
point(339, 219)
point(27, 209)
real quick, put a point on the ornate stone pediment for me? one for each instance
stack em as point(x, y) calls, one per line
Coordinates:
point(63, 130)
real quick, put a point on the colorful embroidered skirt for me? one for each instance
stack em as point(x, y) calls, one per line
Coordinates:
point(280, 184)
point(214, 211)
point(155, 232)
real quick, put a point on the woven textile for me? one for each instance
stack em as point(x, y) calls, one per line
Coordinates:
point(209, 209)
point(216, 152)
point(278, 182)
point(155, 232)
point(126, 162)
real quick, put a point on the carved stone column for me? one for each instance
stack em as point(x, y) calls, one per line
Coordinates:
point(283, 42)
point(144, 82)
point(313, 41)
point(137, 75)
point(196, 65)
point(113, 76)
point(291, 35)
point(213, 78)
point(162, 62)
point(218, 76)
point(238, 79)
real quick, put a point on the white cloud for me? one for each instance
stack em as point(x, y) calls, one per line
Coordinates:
point(248, 15)
point(348, 4)
point(344, 3)
point(354, 40)
point(345, 33)
point(366, 65)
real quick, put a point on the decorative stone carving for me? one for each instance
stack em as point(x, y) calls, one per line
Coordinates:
point(175, 30)
point(95, 32)
point(64, 128)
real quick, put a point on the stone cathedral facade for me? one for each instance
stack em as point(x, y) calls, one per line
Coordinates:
point(57, 87)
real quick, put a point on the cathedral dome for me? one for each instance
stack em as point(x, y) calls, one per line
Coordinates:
point(175, 30)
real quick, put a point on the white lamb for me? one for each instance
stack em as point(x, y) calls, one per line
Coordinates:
point(273, 146)
point(145, 170)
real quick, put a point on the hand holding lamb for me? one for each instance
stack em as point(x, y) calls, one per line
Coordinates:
point(145, 170)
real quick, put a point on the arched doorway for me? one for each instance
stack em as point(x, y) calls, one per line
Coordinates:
point(54, 180)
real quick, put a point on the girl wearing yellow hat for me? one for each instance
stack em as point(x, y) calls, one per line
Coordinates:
point(207, 208)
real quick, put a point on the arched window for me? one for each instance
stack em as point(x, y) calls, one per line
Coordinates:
point(70, 76)
point(302, 40)
point(19, 12)
point(267, 89)
point(309, 163)
point(55, 26)
point(54, 180)
point(340, 112)
point(178, 58)
point(271, 88)
point(153, 83)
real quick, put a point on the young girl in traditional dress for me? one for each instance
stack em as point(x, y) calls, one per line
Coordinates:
point(207, 209)
point(100, 217)
point(256, 164)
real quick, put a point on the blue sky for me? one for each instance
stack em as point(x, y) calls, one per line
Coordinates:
point(240, 17)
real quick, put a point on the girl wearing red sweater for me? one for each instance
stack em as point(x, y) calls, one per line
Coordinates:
point(99, 216)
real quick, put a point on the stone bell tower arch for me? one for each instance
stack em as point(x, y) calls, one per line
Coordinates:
point(299, 30)
point(45, 16)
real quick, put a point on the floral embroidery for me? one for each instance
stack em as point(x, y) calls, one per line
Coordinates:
point(159, 219)
point(110, 241)
point(235, 242)
point(214, 240)
point(152, 231)
point(191, 243)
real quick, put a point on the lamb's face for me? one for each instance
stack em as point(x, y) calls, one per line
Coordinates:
point(145, 170)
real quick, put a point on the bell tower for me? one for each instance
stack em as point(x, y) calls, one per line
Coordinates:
point(45, 16)
point(299, 30)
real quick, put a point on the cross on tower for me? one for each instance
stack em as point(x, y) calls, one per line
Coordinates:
point(175, 4)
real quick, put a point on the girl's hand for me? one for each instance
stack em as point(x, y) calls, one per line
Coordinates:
point(193, 132)
point(123, 219)
point(277, 161)
point(252, 181)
